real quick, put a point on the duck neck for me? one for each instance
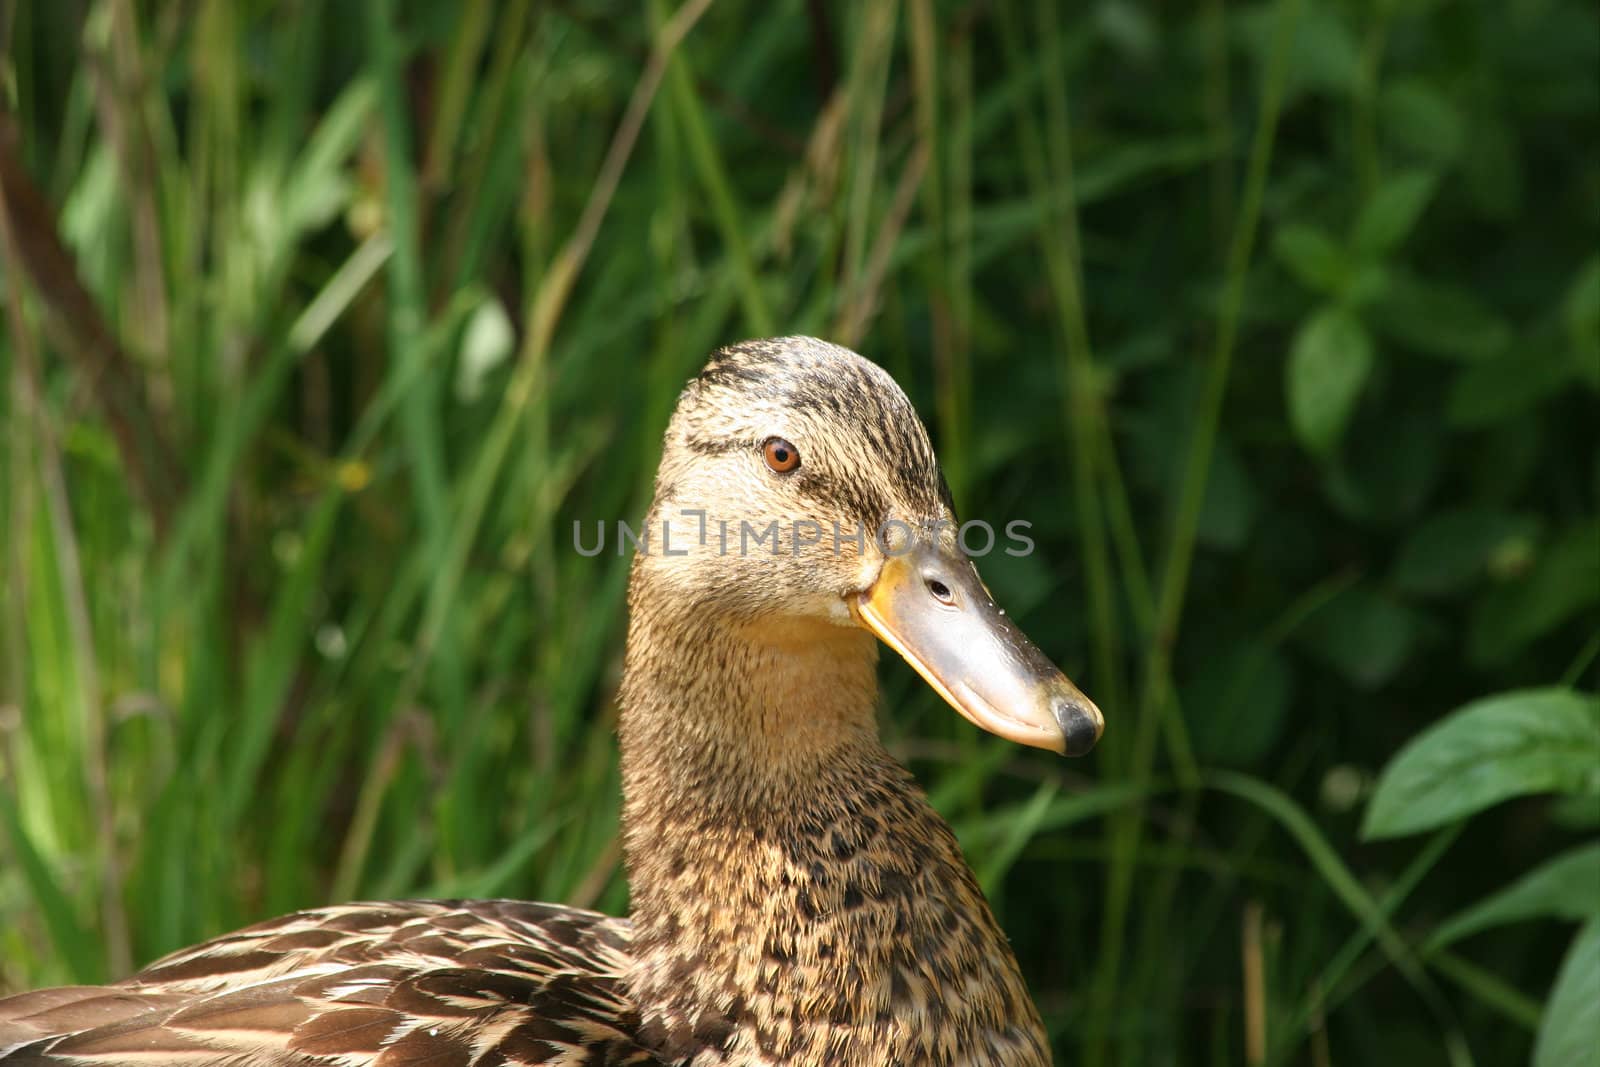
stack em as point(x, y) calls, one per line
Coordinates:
point(794, 897)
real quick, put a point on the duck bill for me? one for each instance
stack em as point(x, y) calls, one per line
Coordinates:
point(929, 605)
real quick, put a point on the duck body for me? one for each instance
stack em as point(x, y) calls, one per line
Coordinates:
point(794, 898)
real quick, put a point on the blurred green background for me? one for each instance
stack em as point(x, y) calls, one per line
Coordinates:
point(1279, 321)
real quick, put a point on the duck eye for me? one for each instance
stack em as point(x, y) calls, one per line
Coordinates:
point(780, 455)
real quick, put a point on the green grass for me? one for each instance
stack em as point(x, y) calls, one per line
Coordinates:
point(378, 299)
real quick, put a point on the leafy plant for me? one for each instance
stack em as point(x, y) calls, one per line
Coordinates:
point(1530, 742)
point(1279, 320)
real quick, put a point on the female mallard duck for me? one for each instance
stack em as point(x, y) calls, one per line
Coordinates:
point(795, 900)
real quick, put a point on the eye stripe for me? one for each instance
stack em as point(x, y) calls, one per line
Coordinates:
point(714, 446)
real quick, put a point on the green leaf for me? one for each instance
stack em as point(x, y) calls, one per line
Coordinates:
point(1570, 1031)
point(1367, 284)
point(1363, 634)
point(1581, 310)
point(1388, 469)
point(1328, 365)
point(1392, 212)
point(1438, 319)
point(1487, 393)
point(1238, 703)
point(1576, 813)
point(1506, 745)
point(1454, 549)
point(1563, 580)
point(1324, 55)
point(1492, 167)
point(1416, 116)
point(1312, 255)
point(1567, 887)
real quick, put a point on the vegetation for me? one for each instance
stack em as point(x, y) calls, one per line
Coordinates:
point(1279, 321)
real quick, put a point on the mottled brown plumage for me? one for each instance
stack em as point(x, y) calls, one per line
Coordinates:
point(795, 900)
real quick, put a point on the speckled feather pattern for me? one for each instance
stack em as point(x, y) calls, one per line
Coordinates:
point(795, 900)
point(412, 984)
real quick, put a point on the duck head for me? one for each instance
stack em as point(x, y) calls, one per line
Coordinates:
point(798, 492)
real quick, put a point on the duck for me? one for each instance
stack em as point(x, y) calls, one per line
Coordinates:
point(794, 897)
